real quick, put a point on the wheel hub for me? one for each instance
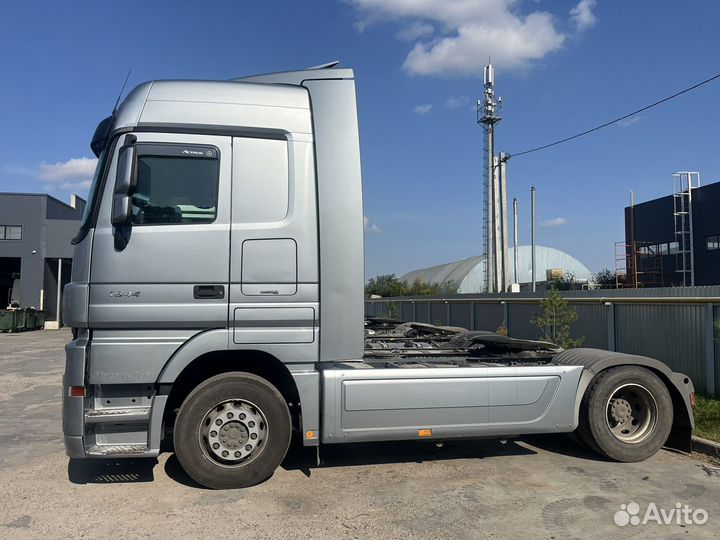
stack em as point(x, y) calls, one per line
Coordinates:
point(233, 434)
point(232, 431)
point(621, 410)
point(631, 413)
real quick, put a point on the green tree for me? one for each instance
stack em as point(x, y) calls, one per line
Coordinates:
point(608, 278)
point(389, 285)
point(566, 282)
point(386, 285)
point(556, 320)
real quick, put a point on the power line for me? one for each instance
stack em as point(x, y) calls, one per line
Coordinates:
point(611, 122)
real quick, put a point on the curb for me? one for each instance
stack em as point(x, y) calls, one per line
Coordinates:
point(705, 446)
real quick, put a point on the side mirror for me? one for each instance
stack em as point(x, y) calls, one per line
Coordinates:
point(125, 184)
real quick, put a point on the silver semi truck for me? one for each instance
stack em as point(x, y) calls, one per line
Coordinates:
point(216, 303)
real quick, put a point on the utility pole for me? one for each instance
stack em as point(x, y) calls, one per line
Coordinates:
point(532, 219)
point(488, 109)
point(516, 249)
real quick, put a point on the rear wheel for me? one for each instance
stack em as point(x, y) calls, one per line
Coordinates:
point(232, 431)
point(626, 414)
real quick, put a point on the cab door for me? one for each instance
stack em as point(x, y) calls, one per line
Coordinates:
point(169, 267)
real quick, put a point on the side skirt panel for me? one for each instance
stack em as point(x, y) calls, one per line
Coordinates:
point(394, 403)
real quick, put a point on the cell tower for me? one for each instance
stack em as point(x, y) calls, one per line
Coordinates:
point(495, 182)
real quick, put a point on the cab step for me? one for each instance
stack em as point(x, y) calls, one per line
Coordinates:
point(117, 415)
point(117, 450)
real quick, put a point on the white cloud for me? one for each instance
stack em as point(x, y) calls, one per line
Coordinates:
point(414, 31)
point(72, 175)
point(82, 185)
point(371, 227)
point(423, 109)
point(554, 222)
point(453, 102)
point(582, 16)
point(361, 26)
point(470, 32)
point(630, 121)
point(72, 170)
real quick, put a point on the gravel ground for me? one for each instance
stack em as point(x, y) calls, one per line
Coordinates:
point(537, 487)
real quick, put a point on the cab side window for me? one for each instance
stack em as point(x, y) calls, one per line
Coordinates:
point(175, 185)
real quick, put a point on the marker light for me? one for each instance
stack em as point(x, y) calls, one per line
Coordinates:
point(76, 391)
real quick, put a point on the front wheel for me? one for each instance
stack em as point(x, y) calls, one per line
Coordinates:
point(626, 414)
point(232, 431)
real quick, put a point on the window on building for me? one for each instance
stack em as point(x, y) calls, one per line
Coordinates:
point(663, 249)
point(174, 189)
point(674, 247)
point(10, 232)
point(712, 242)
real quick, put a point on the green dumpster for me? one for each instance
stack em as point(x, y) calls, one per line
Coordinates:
point(7, 320)
point(40, 320)
point(30, 319)
point(20, 320)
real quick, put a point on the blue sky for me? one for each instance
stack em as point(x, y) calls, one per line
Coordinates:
point(561, 67)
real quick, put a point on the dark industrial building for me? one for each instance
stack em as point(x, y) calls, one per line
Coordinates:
point(673, 240)
point(35, 250)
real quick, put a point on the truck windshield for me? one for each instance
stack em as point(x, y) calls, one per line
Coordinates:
point(92, 199)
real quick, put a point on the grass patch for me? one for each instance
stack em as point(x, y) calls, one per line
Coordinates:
point(707, 418)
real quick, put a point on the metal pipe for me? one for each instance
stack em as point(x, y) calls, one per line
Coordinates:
point(490, 256)
point(532, 243)
point(633, 248)
point(497, 227)
point(690, 224)
point(59, 292)
point(504, 255)
point(515, 240)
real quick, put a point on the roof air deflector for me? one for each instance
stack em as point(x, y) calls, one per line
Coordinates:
point(328, 65)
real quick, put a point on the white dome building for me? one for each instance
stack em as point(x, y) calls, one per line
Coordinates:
point(469, 274)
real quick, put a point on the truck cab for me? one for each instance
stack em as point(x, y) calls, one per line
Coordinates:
point(216, 301)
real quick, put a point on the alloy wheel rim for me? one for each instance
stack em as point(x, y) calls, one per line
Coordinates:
point(233, 433)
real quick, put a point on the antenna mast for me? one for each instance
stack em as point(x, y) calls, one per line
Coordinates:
point(495, 182)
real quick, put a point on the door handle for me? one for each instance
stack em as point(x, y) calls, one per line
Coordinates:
point(208, 291)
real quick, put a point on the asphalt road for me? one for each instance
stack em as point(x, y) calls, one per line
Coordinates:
point(537, 487)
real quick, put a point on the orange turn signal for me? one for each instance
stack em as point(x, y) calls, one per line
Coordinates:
point(424, 432)
point(76, 391)
point(311, 435)
point(693, 400)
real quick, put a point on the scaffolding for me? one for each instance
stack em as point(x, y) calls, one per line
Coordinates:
point(683, 185)
point(639, 264)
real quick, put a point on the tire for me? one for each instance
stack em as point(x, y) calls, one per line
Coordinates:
point(232, 431)
point(626, 414)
